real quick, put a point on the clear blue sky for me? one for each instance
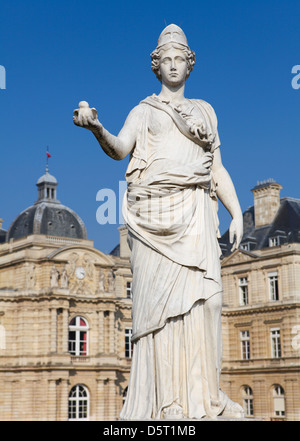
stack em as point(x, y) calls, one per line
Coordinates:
point(57, 53)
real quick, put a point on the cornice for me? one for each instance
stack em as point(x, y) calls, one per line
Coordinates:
point(259, 309)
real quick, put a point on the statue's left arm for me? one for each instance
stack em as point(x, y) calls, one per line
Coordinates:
point(227, 195)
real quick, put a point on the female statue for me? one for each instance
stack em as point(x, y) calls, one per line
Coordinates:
point(175, 175)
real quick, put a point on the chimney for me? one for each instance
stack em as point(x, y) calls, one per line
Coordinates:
point(124, 248)
point(1, 222)
point(266, 202)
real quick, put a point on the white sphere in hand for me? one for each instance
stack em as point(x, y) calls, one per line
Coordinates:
point(83, 104)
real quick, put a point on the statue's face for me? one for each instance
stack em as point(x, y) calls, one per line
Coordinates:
point(173, 67)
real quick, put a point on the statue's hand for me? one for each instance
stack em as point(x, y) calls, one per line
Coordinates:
point(86, 117)
point(236, 232)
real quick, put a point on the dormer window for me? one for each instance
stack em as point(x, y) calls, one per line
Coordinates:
point(248, 246)
point(278, 239)
point(274, 241)
point(245, 246)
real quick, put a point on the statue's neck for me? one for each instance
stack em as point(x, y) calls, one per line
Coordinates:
point(175, 95)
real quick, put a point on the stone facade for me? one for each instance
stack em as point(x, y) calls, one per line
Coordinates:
point(49, 369)
point(65, 324)
point(261, 312)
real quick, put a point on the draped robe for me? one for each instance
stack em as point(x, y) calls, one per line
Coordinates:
point(170, 212)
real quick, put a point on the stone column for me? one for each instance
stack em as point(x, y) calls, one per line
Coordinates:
point(65, 331)
point(53, 330)
point(51, 400)
point(101, 332)
point(111, 331)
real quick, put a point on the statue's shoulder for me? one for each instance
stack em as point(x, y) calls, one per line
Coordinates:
point(201, 103)
point(208, 108)
point(137, 111)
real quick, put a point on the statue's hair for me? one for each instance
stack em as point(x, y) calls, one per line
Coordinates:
point(156, 56)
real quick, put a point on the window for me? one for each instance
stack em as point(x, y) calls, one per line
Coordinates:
point(248, 401)
point(279, 238)
point(245, 345)
point(128, 290)
point(275, 343)
point(274, 241)
point(78, 333)
point(273, 286)
point(243, 289)
point(248, 246)
point(278, 401)
point(78, 403)
point(128, 344)
point(245, 246)
point(125, 395)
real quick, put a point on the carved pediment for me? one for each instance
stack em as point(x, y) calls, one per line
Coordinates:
point(239, 256)
point(82, 269)
point(92, 254)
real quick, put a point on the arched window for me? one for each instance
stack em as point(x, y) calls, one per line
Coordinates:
point(247, 400)
point(78, 336)
point(279, 401)
point(78, 403)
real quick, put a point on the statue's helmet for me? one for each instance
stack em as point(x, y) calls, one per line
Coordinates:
point(172, 34)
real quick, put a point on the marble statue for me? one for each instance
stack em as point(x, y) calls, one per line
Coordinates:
point(175, 177)
point(54, 277)
point(64, 279)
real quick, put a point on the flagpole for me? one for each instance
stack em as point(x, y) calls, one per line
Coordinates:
point(47, 154)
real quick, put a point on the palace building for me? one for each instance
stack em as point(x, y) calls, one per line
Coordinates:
point(65, 317)
point(65, 314)
point(261, 308)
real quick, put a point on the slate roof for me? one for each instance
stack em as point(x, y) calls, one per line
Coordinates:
point(47, 216)
point(285, 227)
point(2, 235)
point(116, 251)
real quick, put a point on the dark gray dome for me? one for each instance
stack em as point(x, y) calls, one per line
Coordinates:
point(47, 216)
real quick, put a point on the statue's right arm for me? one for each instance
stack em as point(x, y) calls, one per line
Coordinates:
point(117, 147)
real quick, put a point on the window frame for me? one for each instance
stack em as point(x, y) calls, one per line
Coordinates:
point(77, 402)
point(81, 337)
point(273, 287)
point(278, 398)
point(247, 395)
point(128, 343)
point(243, 293)
point(128, 289)
point(276, 350)
point(245, 344)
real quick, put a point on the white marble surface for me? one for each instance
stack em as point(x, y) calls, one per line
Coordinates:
point(175, 177)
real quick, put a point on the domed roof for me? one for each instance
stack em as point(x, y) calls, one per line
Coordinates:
point(47, 178)
point(2, 232)
point(47, 216)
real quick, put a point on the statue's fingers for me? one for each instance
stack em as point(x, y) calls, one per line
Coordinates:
point(91, 121)
point(231, 235)
point(84, 120)
point(94, 112)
